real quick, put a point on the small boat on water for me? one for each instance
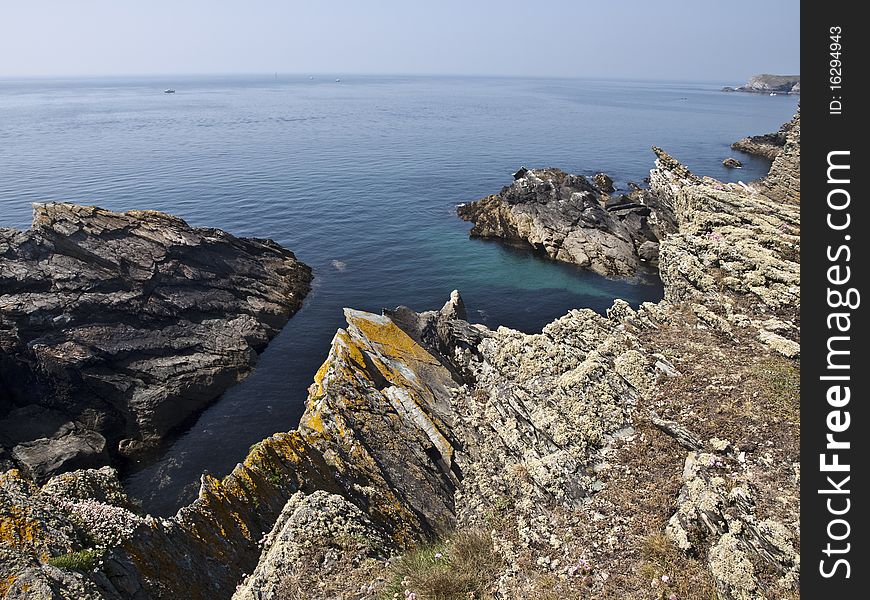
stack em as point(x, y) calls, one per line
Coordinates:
point(338, 81)
point(169, 91)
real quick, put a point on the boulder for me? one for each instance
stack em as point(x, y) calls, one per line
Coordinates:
point(604, 183)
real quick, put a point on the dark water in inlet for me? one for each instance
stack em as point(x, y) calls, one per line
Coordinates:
point(360, 179)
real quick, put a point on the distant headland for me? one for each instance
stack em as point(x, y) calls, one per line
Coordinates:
point(769, 84)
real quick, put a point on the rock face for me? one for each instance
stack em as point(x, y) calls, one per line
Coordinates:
point(421, 423)
point(766, 84)
point(783, 182)
point(115, 327)
point(573, 221)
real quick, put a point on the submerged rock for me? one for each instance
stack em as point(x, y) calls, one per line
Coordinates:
point(115, 327)
point(572, 220)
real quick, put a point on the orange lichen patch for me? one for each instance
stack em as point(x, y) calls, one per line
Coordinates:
point(10, 474)
point(318, 377)
point(313, 421)
point(19, 530)
point(391, 340)
point(287, 447)
point(344, 355)
point(5, 584)
point(353, 351)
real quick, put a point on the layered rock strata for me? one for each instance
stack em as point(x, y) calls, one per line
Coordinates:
point(783, 181)
point(574, 221)
point(420, 423)
point(116, 327)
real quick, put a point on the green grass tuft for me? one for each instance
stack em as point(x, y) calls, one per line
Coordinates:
point(83, 560)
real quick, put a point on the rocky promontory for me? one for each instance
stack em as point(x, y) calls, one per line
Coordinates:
point(769, 84)
point(575, 221)
point(651, 452)
point(768, 145)
point(116, 327)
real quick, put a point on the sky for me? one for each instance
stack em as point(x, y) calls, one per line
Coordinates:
point(685, 40)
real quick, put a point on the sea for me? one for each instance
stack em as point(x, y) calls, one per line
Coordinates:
point(360, 177)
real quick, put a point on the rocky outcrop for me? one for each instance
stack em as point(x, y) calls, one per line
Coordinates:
point(732, 163)
point(766, 84)
point(421, 423)
point(115, 327)
point(721, 515)
point(315, 532)
point(574, 221)
point(768, 145)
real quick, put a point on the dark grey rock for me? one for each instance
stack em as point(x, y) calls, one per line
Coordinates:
point(115, 327)
point(70, 448)
point(604, 183)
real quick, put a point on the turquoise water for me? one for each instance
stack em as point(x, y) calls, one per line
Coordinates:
point(360, 179)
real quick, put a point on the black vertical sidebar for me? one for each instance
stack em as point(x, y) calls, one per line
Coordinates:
point(835, 424)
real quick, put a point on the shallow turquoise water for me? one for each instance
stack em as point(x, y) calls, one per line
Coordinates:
point(360, 179)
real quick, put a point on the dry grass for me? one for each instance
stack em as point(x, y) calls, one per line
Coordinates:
point(464, 566)
point(779, 385)
point(669, 571)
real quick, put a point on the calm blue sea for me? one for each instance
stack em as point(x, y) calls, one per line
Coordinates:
point(360, 179)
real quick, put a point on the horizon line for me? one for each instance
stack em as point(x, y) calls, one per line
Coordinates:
point(155, 75)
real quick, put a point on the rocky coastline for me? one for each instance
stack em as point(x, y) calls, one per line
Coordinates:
point(593, 458)
point(117, 327)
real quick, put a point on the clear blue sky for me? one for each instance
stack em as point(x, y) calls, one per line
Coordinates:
point(666, 39)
